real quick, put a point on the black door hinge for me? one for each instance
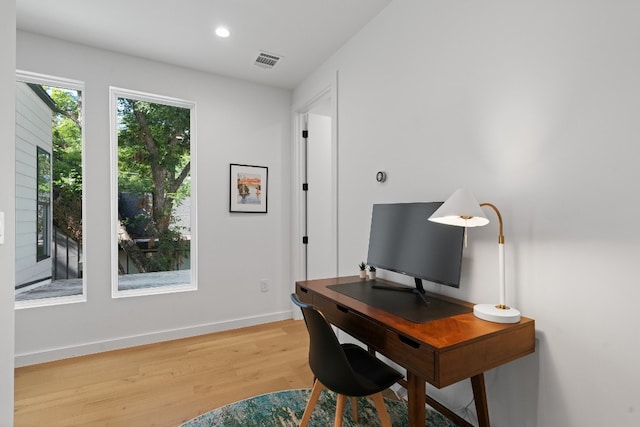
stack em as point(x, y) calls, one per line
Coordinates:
point(305, 187)
point(305, 240)
point(305, 134)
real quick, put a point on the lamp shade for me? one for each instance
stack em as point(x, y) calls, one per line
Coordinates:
point(461, 209)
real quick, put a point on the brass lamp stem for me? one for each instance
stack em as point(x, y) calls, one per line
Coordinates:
point(501, 235)
point(502, 304)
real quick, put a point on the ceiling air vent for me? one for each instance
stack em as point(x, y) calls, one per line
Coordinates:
point(267, 60)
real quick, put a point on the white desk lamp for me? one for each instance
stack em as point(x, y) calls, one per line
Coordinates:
point(463, 210)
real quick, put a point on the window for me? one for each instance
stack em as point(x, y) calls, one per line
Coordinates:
point(49, 190)
point(153, 225)
point(43, 201)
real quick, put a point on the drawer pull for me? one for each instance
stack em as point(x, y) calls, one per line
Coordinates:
point(342, 309)
point(304, 290)
point(409, 341)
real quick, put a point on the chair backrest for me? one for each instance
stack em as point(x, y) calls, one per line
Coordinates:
point(327, 359)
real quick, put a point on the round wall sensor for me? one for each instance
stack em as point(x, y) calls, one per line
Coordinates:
point(222, 32)
point(381, 176)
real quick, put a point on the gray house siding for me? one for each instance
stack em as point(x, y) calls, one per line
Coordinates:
point(33, 129)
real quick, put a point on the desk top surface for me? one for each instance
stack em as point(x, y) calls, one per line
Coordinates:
point(440, 333)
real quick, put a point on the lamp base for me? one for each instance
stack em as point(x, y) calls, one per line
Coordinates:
point(492, 313)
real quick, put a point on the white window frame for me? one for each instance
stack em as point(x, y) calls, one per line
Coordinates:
point(43, 79)
point(114, 94)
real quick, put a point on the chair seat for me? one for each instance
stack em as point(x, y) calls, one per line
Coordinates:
point(373, 375)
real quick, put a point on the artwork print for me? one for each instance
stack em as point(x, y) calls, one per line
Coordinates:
point(248, 188)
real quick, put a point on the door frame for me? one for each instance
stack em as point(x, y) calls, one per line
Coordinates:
point(298, 155)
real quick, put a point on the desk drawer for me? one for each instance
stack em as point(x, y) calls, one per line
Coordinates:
point(352, 323)
point(407, 352)
point(304, 295)
point(474, 358)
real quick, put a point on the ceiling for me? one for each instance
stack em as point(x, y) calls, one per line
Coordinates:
point(304, 33)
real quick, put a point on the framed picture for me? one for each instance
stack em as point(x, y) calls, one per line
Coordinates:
point(248, 187)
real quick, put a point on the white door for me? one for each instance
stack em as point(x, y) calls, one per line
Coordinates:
point(321, 251)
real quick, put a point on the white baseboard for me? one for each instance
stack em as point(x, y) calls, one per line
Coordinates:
point(154, 337)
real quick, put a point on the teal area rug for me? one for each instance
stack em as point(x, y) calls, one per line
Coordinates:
point(285, 408)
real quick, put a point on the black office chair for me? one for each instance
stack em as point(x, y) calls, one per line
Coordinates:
point(345, 369)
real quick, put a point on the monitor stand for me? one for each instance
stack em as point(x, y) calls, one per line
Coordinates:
point(418, 289)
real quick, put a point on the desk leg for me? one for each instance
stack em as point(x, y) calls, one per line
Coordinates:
point(417, 400)
point(480, 396)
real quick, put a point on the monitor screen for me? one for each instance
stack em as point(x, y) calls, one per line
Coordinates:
point(403, 240)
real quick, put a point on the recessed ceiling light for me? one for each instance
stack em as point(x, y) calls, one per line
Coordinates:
point(222, 32)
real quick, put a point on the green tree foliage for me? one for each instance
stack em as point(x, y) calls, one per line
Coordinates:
point(154, 163)
point(67, 161)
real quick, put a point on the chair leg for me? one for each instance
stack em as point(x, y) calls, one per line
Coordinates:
point(385, 421)
point(354, 409)
point(311, 404)
point(339, 410)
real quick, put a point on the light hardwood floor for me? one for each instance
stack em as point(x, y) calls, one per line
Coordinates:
point(164, 384)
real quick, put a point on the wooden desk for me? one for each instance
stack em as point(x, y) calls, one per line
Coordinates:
point(440, 352)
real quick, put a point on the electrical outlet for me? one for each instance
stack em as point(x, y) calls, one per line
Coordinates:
point(264, 285)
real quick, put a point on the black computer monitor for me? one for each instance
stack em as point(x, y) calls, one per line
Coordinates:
point(403, 240)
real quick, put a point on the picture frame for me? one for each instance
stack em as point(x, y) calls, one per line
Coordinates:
point(248, 188)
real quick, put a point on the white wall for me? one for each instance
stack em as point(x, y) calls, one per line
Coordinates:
point(237, 122)
point(532, 106)
point(7, 205)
